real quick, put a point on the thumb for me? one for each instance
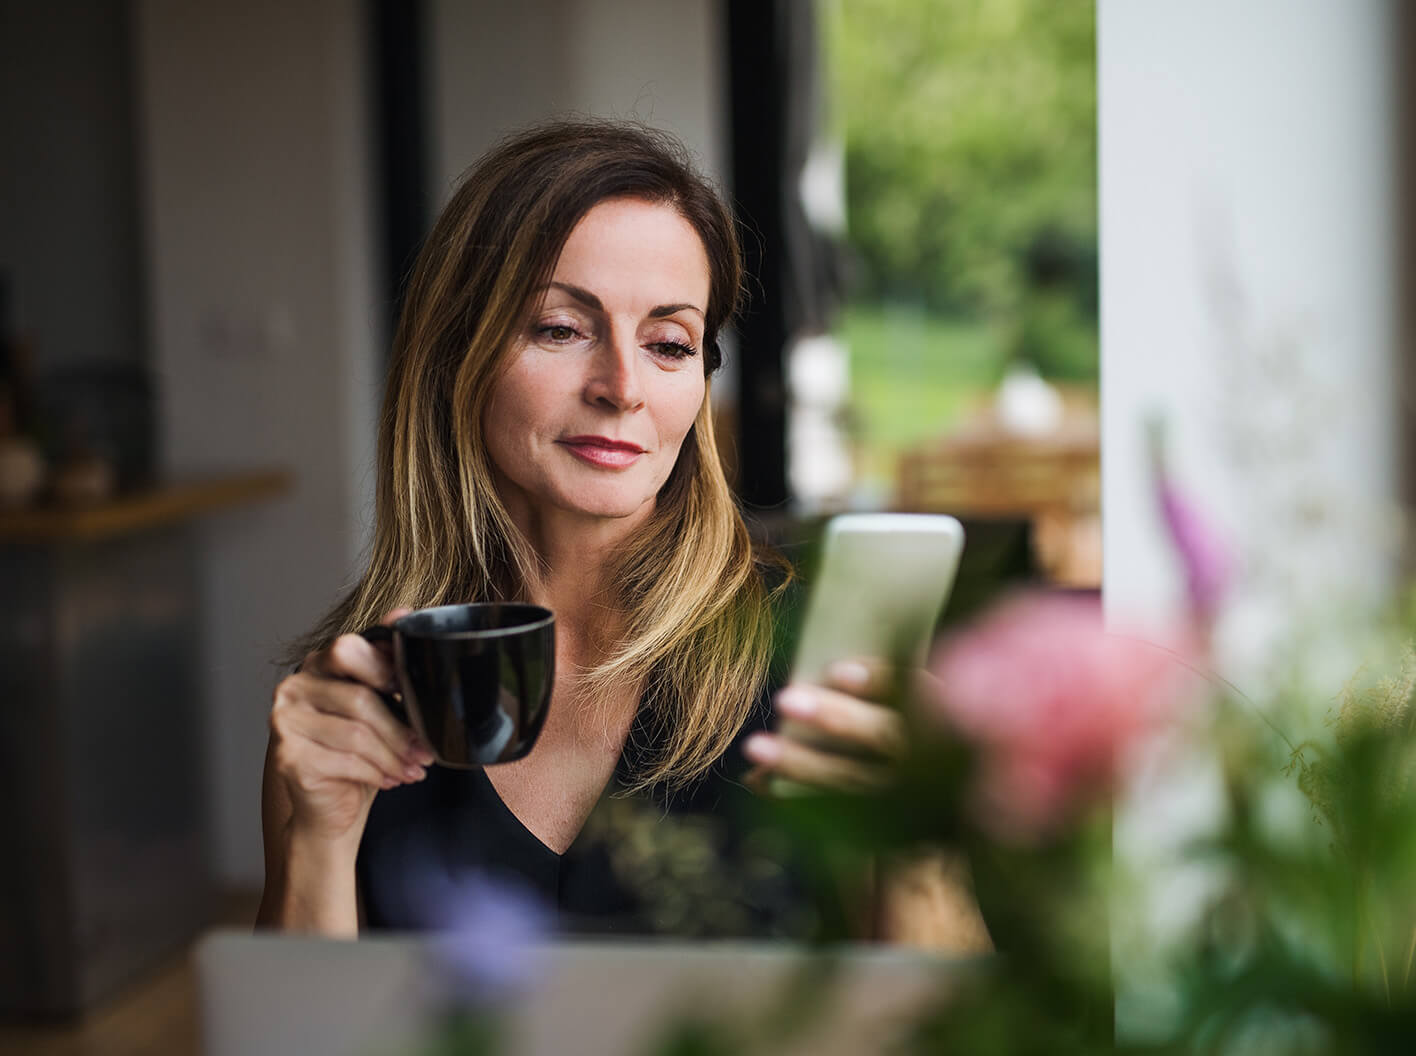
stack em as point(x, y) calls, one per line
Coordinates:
point(394, 614)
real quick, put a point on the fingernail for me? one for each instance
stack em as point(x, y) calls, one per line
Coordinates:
point(797, 703)
point(850, 673)
point(762, 748)
point(414, 773)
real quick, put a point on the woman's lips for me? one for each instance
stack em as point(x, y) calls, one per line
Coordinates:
point(603, 452)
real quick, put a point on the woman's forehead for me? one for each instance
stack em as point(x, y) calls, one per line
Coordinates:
point(630, 249)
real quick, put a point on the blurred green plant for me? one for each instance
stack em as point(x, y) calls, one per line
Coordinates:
point(1306, 943)
point(1359, 783)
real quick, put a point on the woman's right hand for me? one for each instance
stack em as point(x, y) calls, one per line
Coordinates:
point(334, 744)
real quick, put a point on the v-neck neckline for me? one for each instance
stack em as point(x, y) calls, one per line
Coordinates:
point(634, 743)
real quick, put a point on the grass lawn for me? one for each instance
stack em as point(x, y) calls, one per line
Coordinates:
point(912, 376)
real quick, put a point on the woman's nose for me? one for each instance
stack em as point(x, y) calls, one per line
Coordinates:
point(614, 375)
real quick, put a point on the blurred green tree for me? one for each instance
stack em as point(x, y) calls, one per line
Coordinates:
point(970, 142)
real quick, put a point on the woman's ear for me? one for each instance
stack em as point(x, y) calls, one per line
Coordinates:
point(712, 356)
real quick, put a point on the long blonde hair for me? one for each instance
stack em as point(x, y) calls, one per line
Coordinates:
point(691, 588)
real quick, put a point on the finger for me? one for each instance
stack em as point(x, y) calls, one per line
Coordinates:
point(326, 662)
point(360, 703)
point(346, 657)
point(383, 646)
point(312, 763)
point(878, 680)
point(865, 677)
point(340, 734)
point(784, 757)
point(756, 780)
point(354, 657)
point(844, 718)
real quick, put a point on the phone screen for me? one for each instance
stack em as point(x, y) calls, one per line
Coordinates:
point(880, 588)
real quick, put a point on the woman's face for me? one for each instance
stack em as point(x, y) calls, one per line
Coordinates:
point(606, 377)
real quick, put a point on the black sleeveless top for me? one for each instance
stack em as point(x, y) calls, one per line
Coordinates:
point(694, 863)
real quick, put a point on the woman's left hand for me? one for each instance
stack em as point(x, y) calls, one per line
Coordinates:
point(837, 735)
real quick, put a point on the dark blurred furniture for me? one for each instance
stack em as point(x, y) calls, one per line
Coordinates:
point(1051, 481)
point(103, 409)
point(102, 784)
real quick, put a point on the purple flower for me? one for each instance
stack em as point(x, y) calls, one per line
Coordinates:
point(487, 931)
point(1207, 561)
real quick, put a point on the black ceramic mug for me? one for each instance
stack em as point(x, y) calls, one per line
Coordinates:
point(474, 680)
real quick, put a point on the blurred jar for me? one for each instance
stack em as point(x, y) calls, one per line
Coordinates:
point(21, 471)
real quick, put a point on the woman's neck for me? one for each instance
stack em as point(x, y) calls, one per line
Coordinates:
point(576, 555)
point(582, 599)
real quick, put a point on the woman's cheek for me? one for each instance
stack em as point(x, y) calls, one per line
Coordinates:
point(686, 411)
point(668, 464)
point(679, 436)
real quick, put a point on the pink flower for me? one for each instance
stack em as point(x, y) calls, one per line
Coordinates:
point(1053, 703)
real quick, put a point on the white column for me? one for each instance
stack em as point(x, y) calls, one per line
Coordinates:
point(1248, 298)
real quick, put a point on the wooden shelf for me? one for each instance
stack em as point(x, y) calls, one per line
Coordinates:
point(151, 508)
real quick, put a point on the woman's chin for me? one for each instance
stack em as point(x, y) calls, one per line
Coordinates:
point(608, 507)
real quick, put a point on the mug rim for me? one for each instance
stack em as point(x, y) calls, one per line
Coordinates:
point(547, 618)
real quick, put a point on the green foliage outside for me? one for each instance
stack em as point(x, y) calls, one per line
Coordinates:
point(913, 373)
point(970, 147)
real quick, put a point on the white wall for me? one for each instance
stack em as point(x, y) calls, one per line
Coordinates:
point(499, 67)
point(262, 305)
point(1248, 297)
point(1247, 249)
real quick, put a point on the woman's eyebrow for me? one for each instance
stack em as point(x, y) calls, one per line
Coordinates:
point(669, 309)
point(584, 296)
point(588, 299)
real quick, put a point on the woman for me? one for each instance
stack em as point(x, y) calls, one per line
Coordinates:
point(546, 436)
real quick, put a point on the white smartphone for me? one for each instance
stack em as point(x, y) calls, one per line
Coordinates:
point(878, 591)
point(880, 587)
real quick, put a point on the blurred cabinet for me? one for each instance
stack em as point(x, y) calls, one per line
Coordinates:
point(102, 780)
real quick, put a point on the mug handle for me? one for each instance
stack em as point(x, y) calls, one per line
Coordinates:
point(379, 635)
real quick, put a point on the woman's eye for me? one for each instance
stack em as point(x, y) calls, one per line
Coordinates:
point(558, 333)
point(673, 349)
